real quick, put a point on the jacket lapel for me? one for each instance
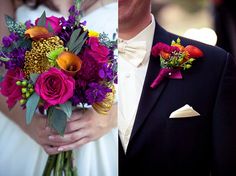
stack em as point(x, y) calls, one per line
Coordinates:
point(150, 96)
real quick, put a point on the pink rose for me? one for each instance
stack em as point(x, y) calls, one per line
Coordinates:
point(97, 51)
point(9, 88)
point(54, 21)
point(55, 87)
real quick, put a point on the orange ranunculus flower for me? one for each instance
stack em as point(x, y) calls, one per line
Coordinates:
point(38, 33)
point(194, 51)
point(181, 48)
point(164, 55)
point(69, 62)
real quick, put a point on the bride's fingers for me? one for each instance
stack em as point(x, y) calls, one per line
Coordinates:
point(50, 150)
point(76, 115)
point(70, 137)
point(74, 145)
point(44, 138)
point(74, 126)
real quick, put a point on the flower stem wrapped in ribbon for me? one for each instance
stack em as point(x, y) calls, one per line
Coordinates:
point(173, 59)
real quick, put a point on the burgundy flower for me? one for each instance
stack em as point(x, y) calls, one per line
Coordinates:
point(89, 68)
point(162, 47)
point(98, 51)
point(9, 88)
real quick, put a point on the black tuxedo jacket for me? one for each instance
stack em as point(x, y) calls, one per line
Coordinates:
point(197, 146)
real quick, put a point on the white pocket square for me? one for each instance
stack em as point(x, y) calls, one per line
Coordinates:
point(184, 112)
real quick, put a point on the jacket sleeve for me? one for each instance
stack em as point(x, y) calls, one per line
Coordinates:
point(224, 123)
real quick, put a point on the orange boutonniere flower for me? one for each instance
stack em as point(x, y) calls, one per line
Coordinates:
point(174, 58)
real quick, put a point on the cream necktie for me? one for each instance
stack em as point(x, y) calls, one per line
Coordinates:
point(133, 52)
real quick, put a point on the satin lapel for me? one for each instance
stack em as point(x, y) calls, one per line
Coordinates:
point(150, 96)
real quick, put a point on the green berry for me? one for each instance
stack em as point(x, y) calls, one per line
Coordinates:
point(31, 90)
point(191, 60)
point(30, 86)
point(22, 101)
point(18, 83)
point(23, 90)
point(24, 83)
point(27, 94)
point(188, 66)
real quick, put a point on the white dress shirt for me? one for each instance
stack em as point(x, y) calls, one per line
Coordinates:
point(130, 80)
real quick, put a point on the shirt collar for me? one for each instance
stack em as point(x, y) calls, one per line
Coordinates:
point(147, 35)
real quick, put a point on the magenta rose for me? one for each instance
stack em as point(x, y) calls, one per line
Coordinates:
point(97, 51)
point(55, 87)
point(54, 22)
point(9, 88)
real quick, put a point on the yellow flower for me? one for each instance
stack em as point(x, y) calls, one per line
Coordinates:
point(105, 106)
point(93, 33)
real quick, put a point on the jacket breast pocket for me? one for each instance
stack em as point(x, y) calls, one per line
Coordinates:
point(188, 133)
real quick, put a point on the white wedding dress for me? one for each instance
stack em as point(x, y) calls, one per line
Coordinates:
point(21, 156)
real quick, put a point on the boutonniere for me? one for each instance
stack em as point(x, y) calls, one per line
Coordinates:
point(173, 59)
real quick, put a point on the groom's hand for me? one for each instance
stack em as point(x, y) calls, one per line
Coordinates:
point(84, 127)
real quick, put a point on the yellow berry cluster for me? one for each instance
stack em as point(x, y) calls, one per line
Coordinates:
point(36, 60)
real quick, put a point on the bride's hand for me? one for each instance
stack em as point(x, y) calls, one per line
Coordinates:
point(84, 127)
point(39, 131)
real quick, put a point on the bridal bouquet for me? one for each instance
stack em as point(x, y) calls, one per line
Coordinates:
point(55, 65)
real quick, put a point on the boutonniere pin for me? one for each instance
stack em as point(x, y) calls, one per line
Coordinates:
point(173, 59)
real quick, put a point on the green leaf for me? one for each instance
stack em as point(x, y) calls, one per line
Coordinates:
point(34, 77)
point(77, 51)
point(67, 108)
point(173, 42)
point(58, 120)
point(79, 43)
point(15, 27)
point(74, 36)
point(1, 78)
point(42, 20)
point(4, 59)
point(178, 40)
point(50, 29)
point(31, 106)
point(10, 22)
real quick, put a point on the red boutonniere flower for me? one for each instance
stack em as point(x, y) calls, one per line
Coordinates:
point(174, 58)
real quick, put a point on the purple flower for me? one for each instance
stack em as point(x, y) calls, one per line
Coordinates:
point(72, 9)
point(7, 41)
point(28, 24)
point(14, 36)
point(17, 57)
point(96, 93)
point(107, 73)
point(68, 26)
point(78, 97)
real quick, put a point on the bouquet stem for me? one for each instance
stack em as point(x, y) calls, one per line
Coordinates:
point(50, 165)
point(60, 165)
